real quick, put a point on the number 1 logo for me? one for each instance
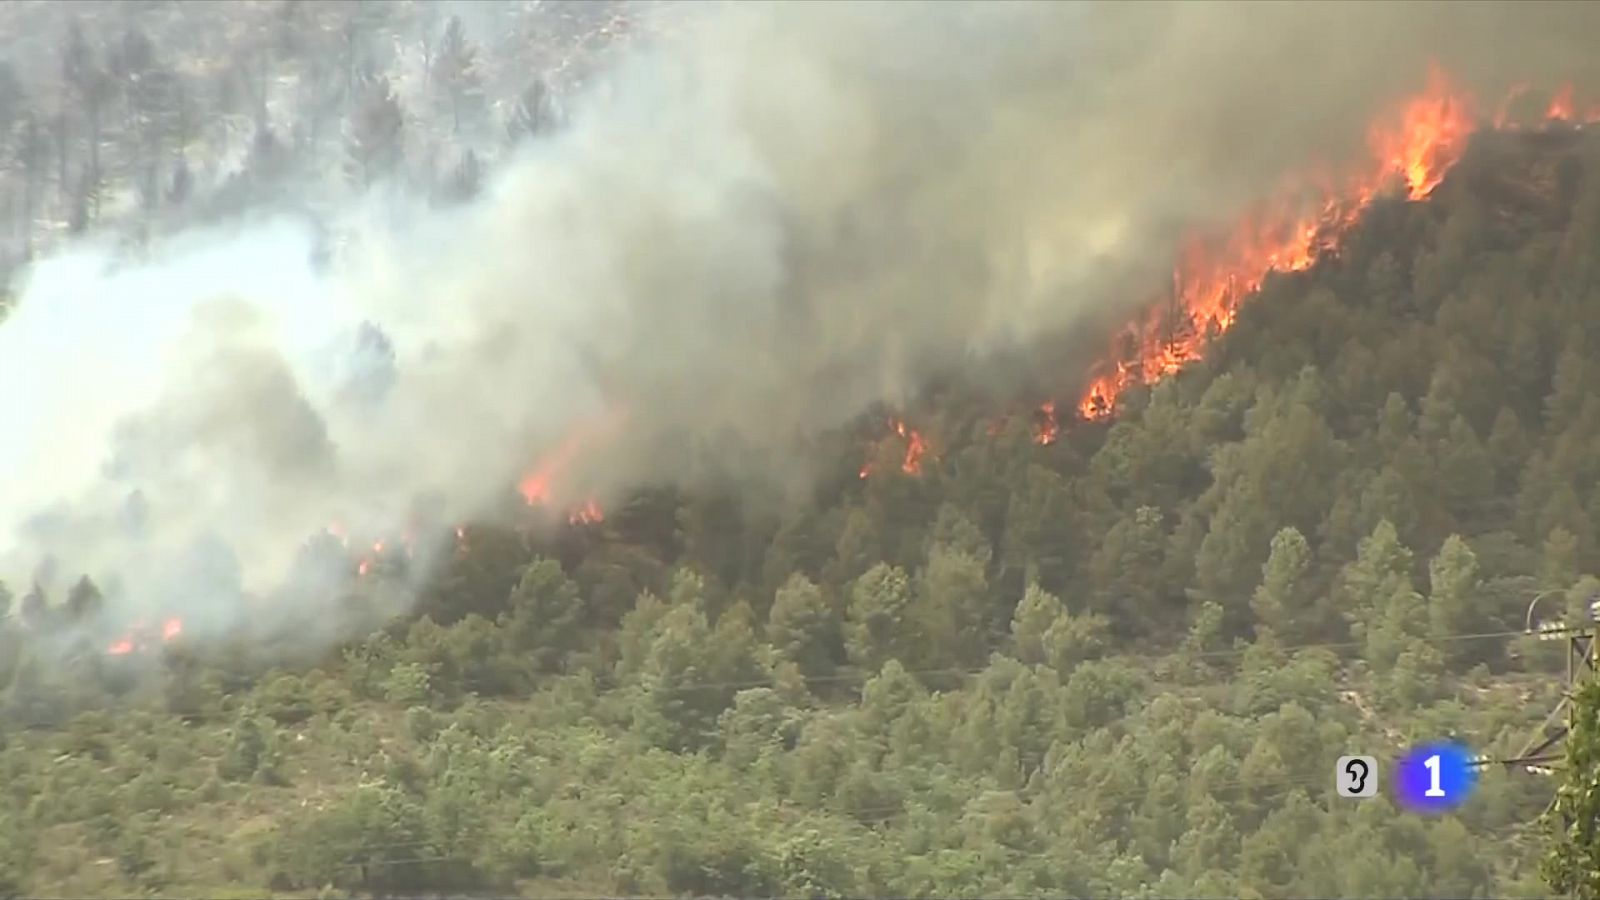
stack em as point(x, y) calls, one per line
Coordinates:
point(1434, 790)
point(1435, 777)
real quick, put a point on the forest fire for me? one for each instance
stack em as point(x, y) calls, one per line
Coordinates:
point(1412, 148)
point(916, 449)
point(139, 637)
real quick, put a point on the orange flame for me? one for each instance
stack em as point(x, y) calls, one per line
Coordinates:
point(535, 486)
point(137, 637)
point(916, 449)
point(1432, 134)
point(1415, 147)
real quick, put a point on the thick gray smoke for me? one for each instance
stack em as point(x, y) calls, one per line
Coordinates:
point(755, 226)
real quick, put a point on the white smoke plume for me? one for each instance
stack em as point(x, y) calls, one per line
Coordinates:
point(756, 226)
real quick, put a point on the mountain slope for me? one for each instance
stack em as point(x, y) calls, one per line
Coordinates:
point(1115, 663)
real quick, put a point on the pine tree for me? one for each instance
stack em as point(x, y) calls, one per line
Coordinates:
point(455, 72)
point(1456, 602)
point(374, 135)
point(84, 600)
point(545, 614)
point(1036, 612)
point(1126, 571)
point(877, 627)
point(1280, 603)
point(534, 113)
point(803, 627)
point(951, 610)
point(1380, 573)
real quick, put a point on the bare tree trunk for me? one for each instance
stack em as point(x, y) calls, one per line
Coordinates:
point(94, 158)
point(30, 177)
point(62, 135)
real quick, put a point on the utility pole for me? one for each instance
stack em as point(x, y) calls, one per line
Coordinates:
point(1542, 753)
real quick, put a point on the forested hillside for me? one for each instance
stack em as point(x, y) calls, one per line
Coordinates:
point(1116, 663)
point(998, 650)
point(146, 116)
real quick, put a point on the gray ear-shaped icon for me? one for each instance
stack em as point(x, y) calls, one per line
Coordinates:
point(1356, 776)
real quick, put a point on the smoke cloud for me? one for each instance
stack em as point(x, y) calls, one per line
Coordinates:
point(755, 226)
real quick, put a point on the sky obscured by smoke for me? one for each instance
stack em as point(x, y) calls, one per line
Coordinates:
point(756, 226)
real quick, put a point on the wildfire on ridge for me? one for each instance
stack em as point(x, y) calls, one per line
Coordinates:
point(916, 449)
point(1414, 146)
point(139, 638)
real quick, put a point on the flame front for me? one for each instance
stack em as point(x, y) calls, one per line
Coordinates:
point(1433, 132)
point(1414, 147)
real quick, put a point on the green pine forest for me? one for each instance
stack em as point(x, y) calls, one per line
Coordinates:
point(1119, 665)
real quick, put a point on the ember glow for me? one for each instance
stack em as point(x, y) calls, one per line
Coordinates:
point(1412, 149)
point(369, 558)
point(1046, 429)
point(589, 513)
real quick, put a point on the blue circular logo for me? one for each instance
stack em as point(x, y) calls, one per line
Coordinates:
point(1435, 777)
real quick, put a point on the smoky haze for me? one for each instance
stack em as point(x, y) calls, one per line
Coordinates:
point(755, 226)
